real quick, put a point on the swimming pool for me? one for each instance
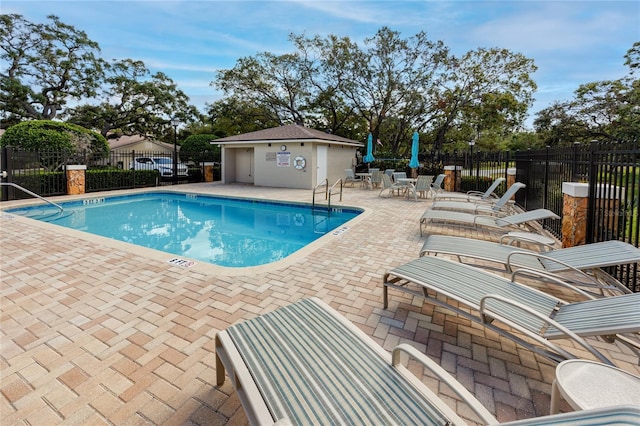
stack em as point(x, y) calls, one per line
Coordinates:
point(232, 232)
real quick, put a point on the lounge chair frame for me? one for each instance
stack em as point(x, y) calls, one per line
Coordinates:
point(501, 206)
point(584, 262)
point(536, 315)
point(518, 221)
point(487, 196)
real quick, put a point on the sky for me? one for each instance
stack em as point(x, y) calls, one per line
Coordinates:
point(571, 42)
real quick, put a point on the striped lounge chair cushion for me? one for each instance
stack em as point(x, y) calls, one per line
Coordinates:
point(312, 367)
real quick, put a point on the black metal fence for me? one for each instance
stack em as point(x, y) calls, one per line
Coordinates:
point(43, 172)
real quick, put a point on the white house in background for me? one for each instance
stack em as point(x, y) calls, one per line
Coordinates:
point(289, 156)
point(126, 146)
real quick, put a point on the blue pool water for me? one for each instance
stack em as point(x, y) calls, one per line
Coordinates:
point(223, 231)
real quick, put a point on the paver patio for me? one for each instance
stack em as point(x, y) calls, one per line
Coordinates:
point(99, 332)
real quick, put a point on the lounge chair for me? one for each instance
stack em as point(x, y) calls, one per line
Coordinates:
point(491, 223)
point(306, 364)
point(585, 262)
point(389, 186)
point(478, 196)
point(490, 299)
point(436, 186)
point(351, 178)
point(499, 206)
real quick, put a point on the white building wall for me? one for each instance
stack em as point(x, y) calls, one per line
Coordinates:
point(267, 170)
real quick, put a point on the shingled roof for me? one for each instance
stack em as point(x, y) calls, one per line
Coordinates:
point(288, 133)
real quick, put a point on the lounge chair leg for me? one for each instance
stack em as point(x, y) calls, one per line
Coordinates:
point(220, 373)
point(385, 296)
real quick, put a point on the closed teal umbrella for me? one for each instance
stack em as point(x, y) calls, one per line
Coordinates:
point(369, 157)
point(414, 164)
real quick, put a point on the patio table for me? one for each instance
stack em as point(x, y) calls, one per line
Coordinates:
point(366, 179)
point(588, 384)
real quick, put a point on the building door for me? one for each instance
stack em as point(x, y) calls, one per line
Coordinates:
point(244, 165)
point(321, 168)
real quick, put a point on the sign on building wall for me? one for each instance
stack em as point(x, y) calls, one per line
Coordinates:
point(284, 159)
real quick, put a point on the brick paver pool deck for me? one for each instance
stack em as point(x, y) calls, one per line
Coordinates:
point(99, 332)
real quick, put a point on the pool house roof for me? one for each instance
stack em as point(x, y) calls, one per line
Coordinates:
point(292, 132)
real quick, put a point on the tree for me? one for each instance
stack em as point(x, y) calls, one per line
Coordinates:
point(136, 102)
point(45, 66)
point(484, 89)
point(394, 77)
point(270, 82)
point(601, 110)
point(199, 148)
point(233, 116)
point(325, 63)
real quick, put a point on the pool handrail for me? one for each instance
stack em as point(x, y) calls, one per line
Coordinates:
point(33, 194)
point(325, 184)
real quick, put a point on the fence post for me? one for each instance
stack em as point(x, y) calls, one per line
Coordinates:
point(6, 168)
point(575, 203)
point(511, 179)
point(76, 179)
point(452, 178)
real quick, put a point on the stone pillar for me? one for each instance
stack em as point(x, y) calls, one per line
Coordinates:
point(453, 177)
point(575, 197)
point(208, 172)
point(75, 179)
point(511, 179)
point(574, 211)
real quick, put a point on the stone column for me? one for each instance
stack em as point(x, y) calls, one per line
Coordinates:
point(208, 172)
point(75, 179)
point(511, 179)
point(574, 211)
point(453, 178)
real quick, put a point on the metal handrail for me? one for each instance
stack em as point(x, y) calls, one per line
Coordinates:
point(325, 184)
point(33, 194)
point(339, 181)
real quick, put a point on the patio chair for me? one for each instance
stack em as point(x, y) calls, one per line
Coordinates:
point(584, 262)
point(478, 196)
point(399, 175)
point(500, 206)
point(491, 300)
point(351, 178)
point(436, 186)
point(376, 178)
point(306, 364)
point(516, 221)
point(389, 186)
point(422, 186)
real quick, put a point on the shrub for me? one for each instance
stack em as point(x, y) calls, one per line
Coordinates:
point(53, 135)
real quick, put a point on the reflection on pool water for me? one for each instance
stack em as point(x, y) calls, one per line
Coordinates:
point(223, 231)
